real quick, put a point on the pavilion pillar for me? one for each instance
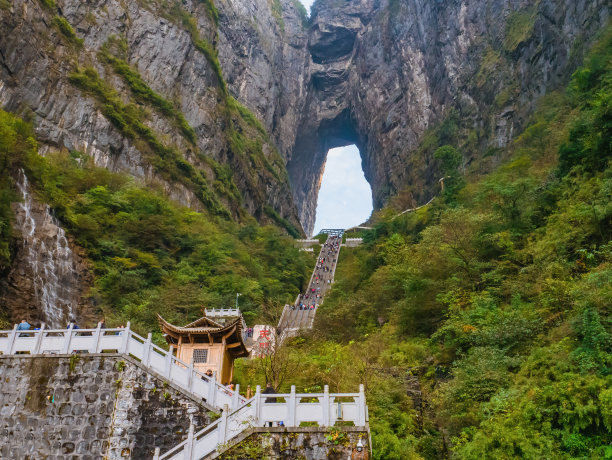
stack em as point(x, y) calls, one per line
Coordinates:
point(222, 362)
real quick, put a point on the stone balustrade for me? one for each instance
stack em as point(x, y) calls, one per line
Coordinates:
point(120, 340)
point(221, 312)
point(292, 409)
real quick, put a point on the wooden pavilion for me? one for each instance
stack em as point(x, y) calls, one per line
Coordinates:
point(208, 344)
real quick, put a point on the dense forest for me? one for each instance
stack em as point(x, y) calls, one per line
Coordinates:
point(479, 324)
point(493, 302)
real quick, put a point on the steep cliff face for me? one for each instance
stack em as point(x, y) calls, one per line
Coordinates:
point(147, 88)
point(381, 73)
point(138, 87)
point(266, 72)
point(378, 73)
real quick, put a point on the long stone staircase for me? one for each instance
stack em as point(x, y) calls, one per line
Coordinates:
point(302, 313)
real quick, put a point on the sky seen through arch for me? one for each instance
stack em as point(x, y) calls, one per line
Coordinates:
point(345, 197)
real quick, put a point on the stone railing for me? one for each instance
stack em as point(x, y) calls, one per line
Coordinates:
point(123, 341)
point(292, 409)
point(222, 312)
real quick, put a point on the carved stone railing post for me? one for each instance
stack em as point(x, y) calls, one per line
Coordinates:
point(326, 408)
point(126, 338)
point(190, 376)
point(68, 338)
point(96, 340)
point(361, 407)
point(39, 338)
point(189, 445)
point(11, 342)
point(235, 396)
point(212, 390)
point(223, 425)
point(292, 402)
point(258, 406)
point(169, 356)
point(147, 350)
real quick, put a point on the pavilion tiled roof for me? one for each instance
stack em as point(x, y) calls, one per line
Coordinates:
point(202, 326)
point(203, 322)
point(207, 327)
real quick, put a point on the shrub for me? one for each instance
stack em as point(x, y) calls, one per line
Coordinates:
point(66, 29)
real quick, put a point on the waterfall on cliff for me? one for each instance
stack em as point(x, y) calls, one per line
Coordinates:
point(48, 257)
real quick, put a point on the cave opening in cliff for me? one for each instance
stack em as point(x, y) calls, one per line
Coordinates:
point(345, 196)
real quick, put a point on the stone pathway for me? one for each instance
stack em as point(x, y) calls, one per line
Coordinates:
point(301, 314)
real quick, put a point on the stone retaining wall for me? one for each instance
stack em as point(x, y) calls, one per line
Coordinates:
point(305, 443)
point(89, 407)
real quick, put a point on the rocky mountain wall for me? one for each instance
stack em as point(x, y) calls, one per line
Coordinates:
point(139, 87)
point(173, 49)
point(268, 74)
point(49, 278)
point(378, 73)
point(90, 406)
point(383, 72)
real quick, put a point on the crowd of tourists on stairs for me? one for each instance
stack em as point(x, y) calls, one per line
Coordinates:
point(322, 277)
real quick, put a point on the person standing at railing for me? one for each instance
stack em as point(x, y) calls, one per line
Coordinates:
point(23, 326)
point(269, 390)
point(249, 392)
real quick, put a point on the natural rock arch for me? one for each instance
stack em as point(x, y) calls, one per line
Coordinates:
point(307, 164)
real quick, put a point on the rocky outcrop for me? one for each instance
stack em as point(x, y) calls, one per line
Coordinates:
point(383, 72)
